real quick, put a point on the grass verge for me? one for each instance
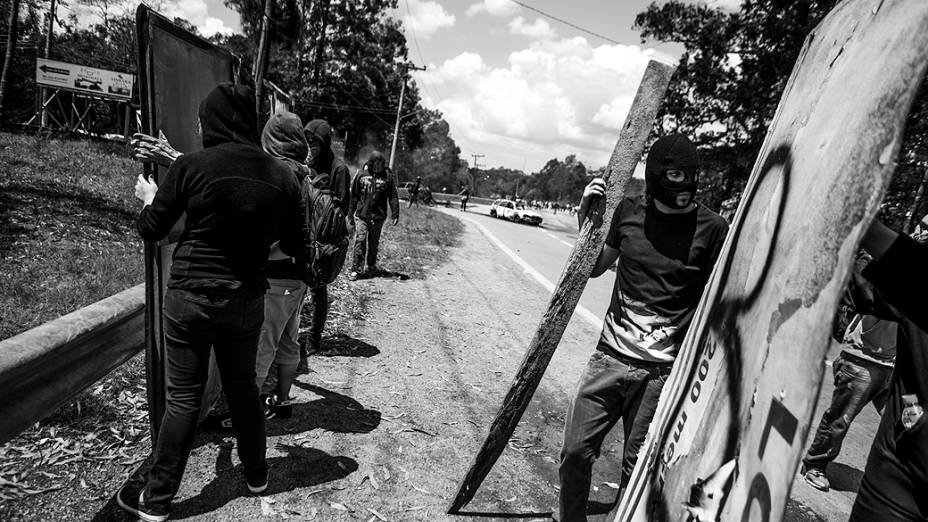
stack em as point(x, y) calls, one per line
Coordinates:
point(67, 240)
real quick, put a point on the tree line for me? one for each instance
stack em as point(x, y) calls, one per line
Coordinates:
point(343, 61)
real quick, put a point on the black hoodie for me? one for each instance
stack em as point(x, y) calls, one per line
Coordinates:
point(327, 163)
point(238, 201)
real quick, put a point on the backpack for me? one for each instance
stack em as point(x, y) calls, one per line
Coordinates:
point(327, 241)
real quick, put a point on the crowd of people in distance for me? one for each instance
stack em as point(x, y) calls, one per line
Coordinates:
point(259, 211)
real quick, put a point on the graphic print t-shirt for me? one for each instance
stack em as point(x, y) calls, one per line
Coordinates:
point(373, 194)
point(664, 263)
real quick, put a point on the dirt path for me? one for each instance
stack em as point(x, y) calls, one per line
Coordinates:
point(390, 417)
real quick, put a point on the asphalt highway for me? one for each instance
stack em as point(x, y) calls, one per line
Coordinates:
point(542, 252)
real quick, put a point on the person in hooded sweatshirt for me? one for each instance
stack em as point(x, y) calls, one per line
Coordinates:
point(666, 245)
point(372, 190)
point(324, 161)
point(238, 201)
point(895, 480)
point(279, 344)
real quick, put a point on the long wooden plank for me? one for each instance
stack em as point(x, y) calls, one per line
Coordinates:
point(42, 368)
point(735, 412)
point(625, 158)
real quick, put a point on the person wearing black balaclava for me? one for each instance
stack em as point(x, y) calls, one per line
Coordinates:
point(323, 160)
point(238, 200)
point(666, 245)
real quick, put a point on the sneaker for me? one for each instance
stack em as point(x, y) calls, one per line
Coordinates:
point(353, 275)
point(816, 478)
point(270, 406)
point(257, 487)
point(219, 422)
point(284, 409)
point(130, 500)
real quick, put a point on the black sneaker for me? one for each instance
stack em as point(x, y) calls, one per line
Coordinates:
point(130, 500)
point(274, 408)
point(219, 422)
point(257, 486)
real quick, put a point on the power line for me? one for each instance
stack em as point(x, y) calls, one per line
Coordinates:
point(419, 50)
point(565, 22)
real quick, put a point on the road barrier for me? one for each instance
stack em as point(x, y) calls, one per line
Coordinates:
point(43, 368)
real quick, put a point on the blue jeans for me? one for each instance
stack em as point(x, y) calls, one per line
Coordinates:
point(609, 389)
point(194, 322)
point(857, 382)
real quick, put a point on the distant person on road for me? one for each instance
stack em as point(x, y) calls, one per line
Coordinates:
point(465, 195)
point(372, 191)
point(895, 480)
point(861, 375)
point(414, 192)
point(323, 160)
point(666, 245)
point(238, 200)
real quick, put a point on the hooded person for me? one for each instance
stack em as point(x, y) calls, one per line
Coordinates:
point(279, 344)
point(372, 190)
point(238, 201)
point(664, 246)
point(324, 161)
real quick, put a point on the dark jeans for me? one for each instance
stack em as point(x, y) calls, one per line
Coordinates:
point(464, 204)
point(609, 389)
point(320, 314)
point(857, 382)
point(193, 322)
point(366, 241)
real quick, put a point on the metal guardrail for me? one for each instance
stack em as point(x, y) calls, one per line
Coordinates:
point(43, 368)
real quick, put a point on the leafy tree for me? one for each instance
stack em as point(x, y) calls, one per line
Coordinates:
point(730, 79)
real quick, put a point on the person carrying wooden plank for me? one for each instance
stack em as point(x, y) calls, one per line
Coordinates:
point(666, 245)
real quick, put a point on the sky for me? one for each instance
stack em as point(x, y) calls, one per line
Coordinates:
point(515, 86)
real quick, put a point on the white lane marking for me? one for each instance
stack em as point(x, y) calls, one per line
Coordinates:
point(559, 240)
point(587, 315)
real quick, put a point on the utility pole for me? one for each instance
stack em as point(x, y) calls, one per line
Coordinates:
point(473, 176)
point(12, 29)
point(262, 56)
point(48, 51)
point(399, 108)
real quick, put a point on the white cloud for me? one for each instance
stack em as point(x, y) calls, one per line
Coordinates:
point(551, 99)
point(539, 29)
point(426, 17)
point(194, 11)
point(729, 6)
point(493, 7)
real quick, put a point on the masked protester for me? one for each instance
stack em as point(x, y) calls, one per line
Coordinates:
point(666, 245)
point(372, 190)
point(279, 344)
point(895, 479)
point(323, 161)
point(238, 201)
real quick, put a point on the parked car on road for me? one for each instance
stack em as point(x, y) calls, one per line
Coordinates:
point(508, 209)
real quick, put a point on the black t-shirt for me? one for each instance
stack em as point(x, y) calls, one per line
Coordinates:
point(664, 263)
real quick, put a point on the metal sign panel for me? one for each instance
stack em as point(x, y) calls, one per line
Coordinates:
point(90, 80)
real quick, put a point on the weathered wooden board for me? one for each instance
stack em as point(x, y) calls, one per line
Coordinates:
point(744, 387)
point(625, 158)
point(176, 71)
